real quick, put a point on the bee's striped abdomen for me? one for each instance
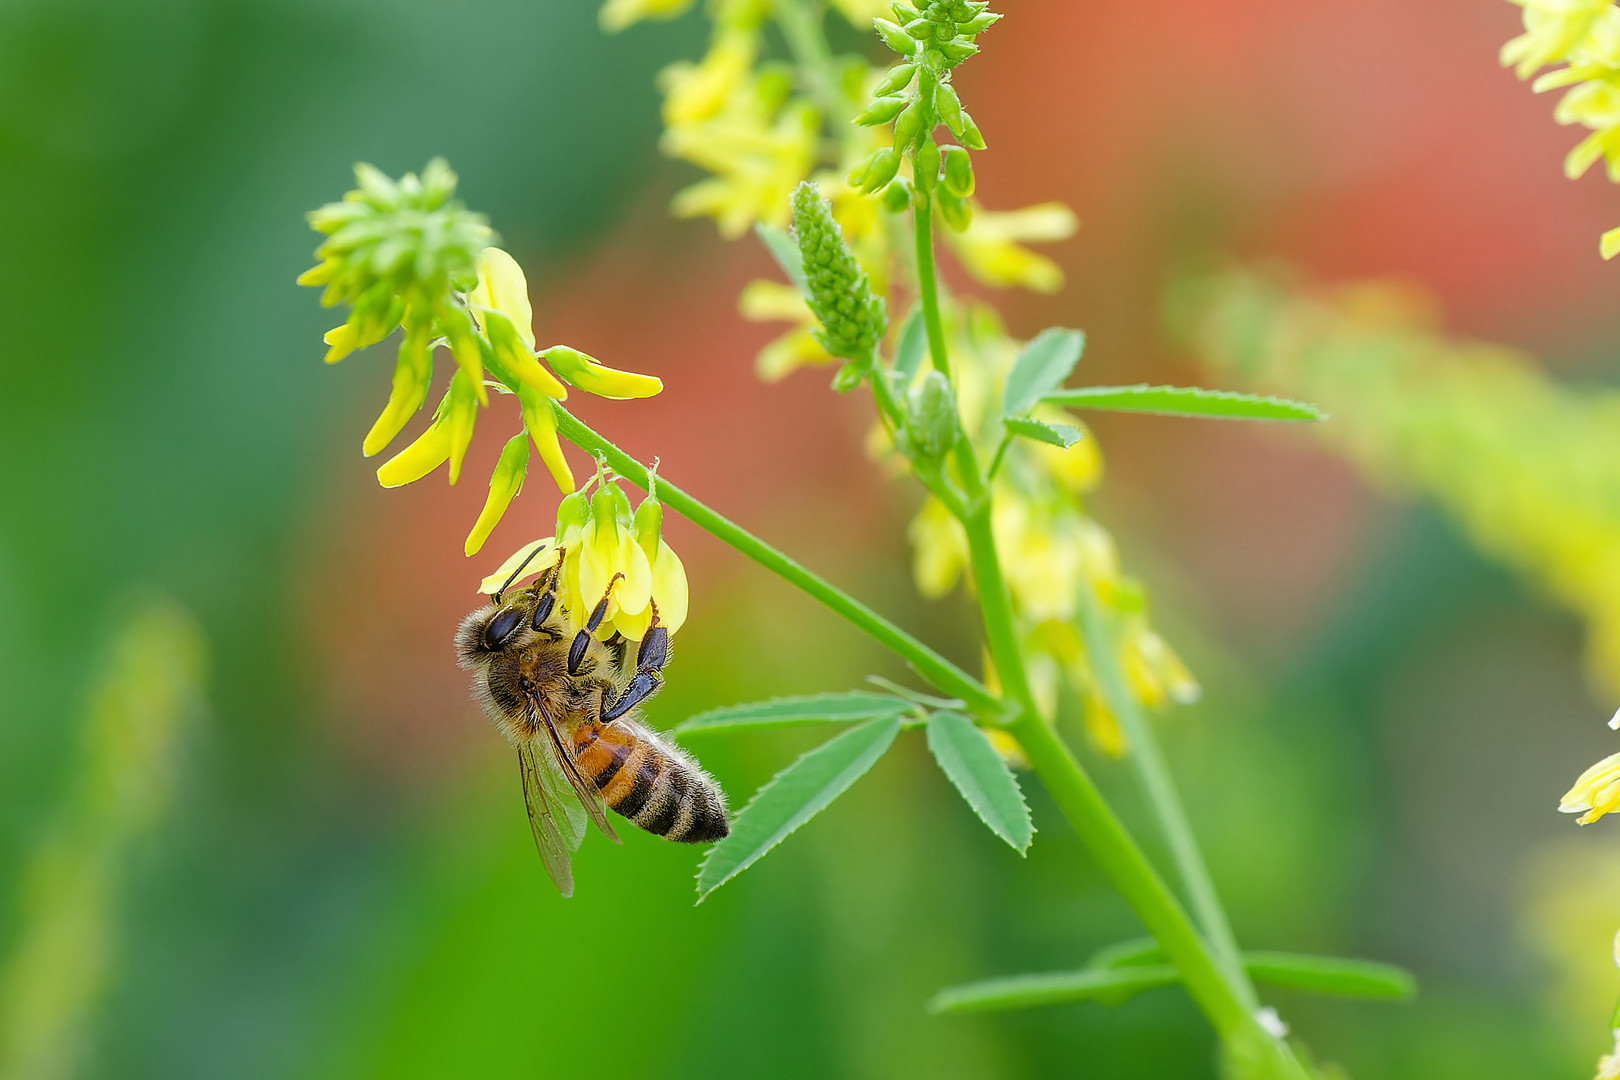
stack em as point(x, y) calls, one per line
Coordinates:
point(650, 782)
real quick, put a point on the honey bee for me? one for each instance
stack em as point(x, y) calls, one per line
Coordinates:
point(570, 707)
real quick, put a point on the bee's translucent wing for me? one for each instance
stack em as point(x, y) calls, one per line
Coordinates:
point(550, 838)
point(588, 796)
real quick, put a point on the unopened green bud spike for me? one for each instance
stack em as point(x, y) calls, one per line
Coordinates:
point(853, 319)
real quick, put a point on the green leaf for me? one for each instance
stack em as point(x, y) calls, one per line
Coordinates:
point(982, 777)
point(1055, 434)
point(910, 349)
point(792, 797)
point(785, 251)
point(1332, 975)
point(1119, 972)
point(1113, 986)
point(1041, 367)
point(811, 709)
point(1184, 401)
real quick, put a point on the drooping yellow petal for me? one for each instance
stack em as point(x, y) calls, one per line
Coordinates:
point(343, 341)
point(504, 484)
point(595, 378)
point(413, 372)
point(503, 288)
point(460, 417)
point(1596, 791)
point(540, 561)
point(430, 450)
point(669, 589)
point(541, 424)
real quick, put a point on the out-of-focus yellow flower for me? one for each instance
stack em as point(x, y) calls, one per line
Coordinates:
point(770, 301)
point(1102, 726)
point(697, 92)
point(1529, 469)
point(758, 150)
point(992, 248)
point(618, 14)
point(1553, 29)
point(860, 13)
point(1608, 1067)
point(1595, 793)
point(939, 549)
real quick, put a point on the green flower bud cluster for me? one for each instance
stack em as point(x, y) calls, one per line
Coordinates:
point(916, 97)
point(853, 319)
point(395, 251)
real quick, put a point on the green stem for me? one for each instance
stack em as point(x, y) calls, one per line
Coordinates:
point(927, 286)
point(801, 28)
point(1253, 1051)
point(1146, 756)
point(930, 665)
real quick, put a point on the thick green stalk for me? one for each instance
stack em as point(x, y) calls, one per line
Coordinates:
point(930, 665)
point(1230, 1012)
point(1147, 758)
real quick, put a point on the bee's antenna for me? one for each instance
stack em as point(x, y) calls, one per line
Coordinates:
point(514, 576)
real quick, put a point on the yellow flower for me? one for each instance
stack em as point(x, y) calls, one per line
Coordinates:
point(1595, 793)
point(618, 14)
point(1609, 1064)
point(1553, 30)
point(696, 92)
point(759, 146)
point(446, 439)
point(504, 484)
point(604, 551)
point(991, 247)
point(940, 549)
point(768, 301)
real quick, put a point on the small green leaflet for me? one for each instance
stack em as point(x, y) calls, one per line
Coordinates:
point(1040, 368)
point(792, 797)
point(1114, 986)
point(909, 349)
point(785, 252)
point(1054, 434)
point(1329, 975)
point(1333, 975)
point(984, 780)
point(812, 709)
point(1184, 401)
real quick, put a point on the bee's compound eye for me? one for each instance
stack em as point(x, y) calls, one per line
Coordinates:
point(501, 628)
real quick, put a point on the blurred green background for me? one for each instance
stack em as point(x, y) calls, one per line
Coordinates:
point(298, 850)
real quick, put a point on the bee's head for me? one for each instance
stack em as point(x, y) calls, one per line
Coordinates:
point(494, 628)
point(499, 624)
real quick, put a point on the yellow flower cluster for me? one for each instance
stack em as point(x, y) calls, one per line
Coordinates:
point(738, 115)
point(604, 550)
point(1584, 36)
point(405, 256)
point(1051, 548)
point(1528, 468)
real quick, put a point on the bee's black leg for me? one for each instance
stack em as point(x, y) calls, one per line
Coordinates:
point(650, 660)
point(548, 602)
point(582, 640)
